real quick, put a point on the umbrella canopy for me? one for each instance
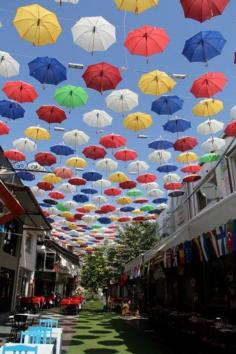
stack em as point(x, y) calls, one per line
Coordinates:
point(187, 157)
point(173, 185)
point(156, 83)
point(104, 220)
point(89, 191)
point(38, 192)
point(134, 193)
point(147, 207)
point(91, 176)
point(102, 183)
point(20, 91)
point(4, 129)
point(167, 168)
point(233, 112)
point(62, 150)
point(37, 133)
point(208, 107)
point(191, 178)
point(208, 84)
point(124, 200)
point(8, 65)
point(37, 25)
point(70, 204)
point(77, 181)
point(112, 192)
point(45, 158)
point(26, 176)
point(67, 188)
point(167, 105)
point(138, 167)
point(171, 177)
point(102, 76)
point(106, 164)
point(210, 157)
point(155, 193)
point(177, 125)
point(56, 195)
point(127, 209)
point(47, 70)
point(213, 144)
point(185, 143)
point(46, 186)
point(75, 138)
point(76, 162)
point(150, 185)
point(51, 178)
point(118, 177)
point(191, 168)
point(97, 119)
point(11, 110)
point(81, 198)
point(230, 129)
point(99, 199)
point(147, 178)
point(125, 155)
point(135, 6)
point(108, 208)
point(159, 156)
point(94, 152)
point(201, 11)
point(51, 114)
point(122, 100)
point(63, 172)
point(93, 33)
point(14, 155)
point(160, 144)
point(147, 41)
point(71, 96)
point(137, 121)
point(112, 141)
point(160, 200)
point(210, 127)
point(204, 46)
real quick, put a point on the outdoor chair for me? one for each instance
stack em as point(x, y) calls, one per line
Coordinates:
point(48, 322)
point(46, 330)
point(34, 337)
point(19, 348)
point(19, 323)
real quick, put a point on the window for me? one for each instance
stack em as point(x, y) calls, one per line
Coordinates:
point(208, 192)
point(28, 244)
point(6, 289)
point(11, 238)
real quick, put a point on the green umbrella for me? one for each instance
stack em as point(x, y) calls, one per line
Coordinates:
point(147, 207)
point(134, 193)
point(210, 157)
point(71, 96)
point(60, 206)
point(96, 226)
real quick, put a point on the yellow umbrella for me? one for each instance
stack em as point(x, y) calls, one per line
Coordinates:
point(113, 218)
point(208, 107)
point(94, 231)
point(66, 214)
point(37, 25)
point(136, 211)
point(187, 157)
point(90, 207)
point(118, 177)
point(124, 200)
point(51, 178)
point(37, 133)
point(156, 83)
point(136, 6)
point(137, 121)
point(76, 162)
point(89, 248)
point(73, 226)
point(81, 241)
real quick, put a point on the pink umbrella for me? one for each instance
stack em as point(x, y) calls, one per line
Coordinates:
point(63, 172)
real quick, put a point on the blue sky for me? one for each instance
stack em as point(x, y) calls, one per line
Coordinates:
point(168, 15)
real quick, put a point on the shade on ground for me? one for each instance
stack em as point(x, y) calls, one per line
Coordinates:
point(107, 333)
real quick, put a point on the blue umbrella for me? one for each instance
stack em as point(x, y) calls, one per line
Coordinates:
point(104, 220)
point(89, 191)
point(160, 200)
point(167, 105)
point(44, 205)
point(204, 46)
point(50, 201)
point(11, 110)
point(92, 176)
point(25, 176)
point(160, 144)
point(155, 211)
point(66, 228)
point(80, 198)
point(176, 193)
point(177, 125)
point(167, 168)
point(50, 220)
point(47, 70)
point(62, 150)
point(127, 209)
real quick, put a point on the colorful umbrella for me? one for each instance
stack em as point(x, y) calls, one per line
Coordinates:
point(191, 168)
point(102, 76)
point(77, 181)
point(14, 155)
point(4, 129)
point(37, 191)
point(147, 178)
point(127, 209)
point(56, 195)
point(104, 220)
point(94, 34)
point(26, 176)
point(160, 144)
point(71, 96)
point(127, 184)
point(135, 6)
point(106, 164)
point(173, 185)
point(118, 177)
point(155, 193)
point(233, 112)
point(204, 46)
point(67, 188)
point(213, 144)
point(160, 200)
point(37, 133)
point(125, 154)
point(11, 110)
point(150, 185)
point(147, 41)
point(47, 70)
point(167, 105)
point(137, 167)
point(102, 183)
point(208, 107)
point(134, 193)
point(211, 157)
point(148, 207)
point(89, 190)
point(63, 172)
point(76, 162)
point(45, 158)
point(75, 138)
point(81, 198)
point(8, 65)
point(51, 114)
point(230, 129)
point(51, 178)
point(94, 152)
point(112, 192)
point(159, 156)
point(91, 176)
point(112, 141)
point(185, 143)
point(201, 11)
point(24, 145)
point(171, 177)
point(46, 186)
point(19, 91)
point(191, 178)
point(177, 125)
point(97, 119)
point(210, 127)
point(137, 121)
point(187, 157)
point(122, 100)
point(108, 208)
point(208, 84)
point(62, 150)
point(167, 168)
point(124, 200)
point(37, 25)
point(156, 83)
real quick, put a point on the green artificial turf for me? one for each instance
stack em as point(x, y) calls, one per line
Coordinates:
point(98, 332)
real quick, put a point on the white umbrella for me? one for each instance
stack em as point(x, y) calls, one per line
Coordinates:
point(155, 193)
point(102, 183)
point(162, 206)
point(93, 33)
point(75, 137)
point(106, 164)
point(122, 100)
point(210, 126)
point(70, 204)
point(68, 1)
point(67, 188)
point(149, 186)
point(25, 145)
point(137, 167)
point(159, 156)
point(213, 144)
point(233, 112)
point(99, 199)
point(8, 65)
point(35, 166)
point(97, 119)
point(38, 192)
point(52, 211)
point(171, 177)
point(89, 219)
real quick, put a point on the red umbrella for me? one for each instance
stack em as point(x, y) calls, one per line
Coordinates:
point(192, 168)
point(126, 155)
point(140, 200)
point(45, 158)
point(78, 216)
point(191, 178)
point(108, 208)
point(112, 192)
point(202, 10)
point(77, 181)
point(4, 129)
point(46, 186)
point(71, 219)
point(186, 143)
point(128, 184)
point(102, 76)
point(83, 210)
point(173, 185)
point(112, 141)
point(20, 91)
point(230, 129)
point(99, 211)
point(124, 219)
point(139, 218)
point(63, 172)
point(147, 40)
point(94, 152)
point(56, 195)
point(51, 114)
point(146, 178)
point(208, 84)
point(14, 155)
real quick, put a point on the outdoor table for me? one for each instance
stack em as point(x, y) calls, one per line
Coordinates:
point(42, 348)
point(57, 335)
